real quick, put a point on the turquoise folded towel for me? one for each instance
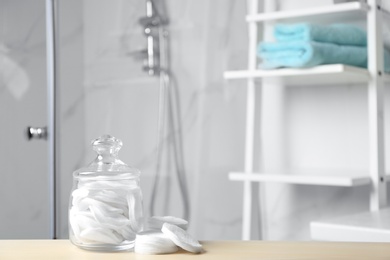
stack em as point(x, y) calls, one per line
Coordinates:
point(308, 54)
point(342, 34)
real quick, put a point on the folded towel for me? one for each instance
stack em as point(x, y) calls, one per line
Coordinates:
point(343, 34)
point(308, 54)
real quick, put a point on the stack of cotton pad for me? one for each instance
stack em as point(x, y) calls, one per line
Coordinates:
point(181, 238)
point(165, 237)
point(154, 242)
point(106, 212)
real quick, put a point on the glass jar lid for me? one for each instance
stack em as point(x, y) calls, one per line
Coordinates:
point(107, 165)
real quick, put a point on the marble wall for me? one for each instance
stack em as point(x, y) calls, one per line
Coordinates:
point(71, 105)
point(206, 37)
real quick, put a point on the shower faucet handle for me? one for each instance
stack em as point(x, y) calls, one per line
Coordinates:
point(138, 54)
point(36, 133)
point(149, 21)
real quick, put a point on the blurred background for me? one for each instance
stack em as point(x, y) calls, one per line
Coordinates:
point(103, 89)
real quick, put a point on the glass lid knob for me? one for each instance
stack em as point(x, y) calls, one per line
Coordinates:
point(107, 147)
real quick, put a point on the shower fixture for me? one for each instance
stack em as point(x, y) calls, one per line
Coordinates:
point(169, 129)
point(151, 24)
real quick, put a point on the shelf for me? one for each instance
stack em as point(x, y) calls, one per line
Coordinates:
point(337, 12)
point(325, 179)
point(319, 75)
point(372, 226)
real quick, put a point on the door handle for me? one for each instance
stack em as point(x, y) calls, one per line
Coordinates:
point(36, 133)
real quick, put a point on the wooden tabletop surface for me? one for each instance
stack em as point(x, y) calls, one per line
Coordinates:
point(63, 249)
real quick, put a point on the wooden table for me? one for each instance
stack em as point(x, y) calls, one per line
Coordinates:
point(63, 249)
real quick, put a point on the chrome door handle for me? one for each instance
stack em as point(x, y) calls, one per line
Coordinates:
point(36, 133)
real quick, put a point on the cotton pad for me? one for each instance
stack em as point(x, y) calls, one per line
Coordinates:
point(100, 236)
point(153, 242)
point(157, 222)
point(181, 238)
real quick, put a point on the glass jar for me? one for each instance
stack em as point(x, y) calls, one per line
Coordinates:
point(105, 207)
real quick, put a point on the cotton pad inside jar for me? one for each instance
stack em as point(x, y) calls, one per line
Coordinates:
point(105, 209)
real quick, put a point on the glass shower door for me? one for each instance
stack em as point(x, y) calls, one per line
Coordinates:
point(24, 180)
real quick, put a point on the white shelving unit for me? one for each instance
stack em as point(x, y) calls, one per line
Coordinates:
point(332, 178)
point(325, 74)
point(347, 11)
point(296, 178)
point(373, 226)
point(320, 75)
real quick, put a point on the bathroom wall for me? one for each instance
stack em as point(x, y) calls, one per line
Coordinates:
point(313, 128)
point(104, 90)
point(71, 105)
point(206, 37)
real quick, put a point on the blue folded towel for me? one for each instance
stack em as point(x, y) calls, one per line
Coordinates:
point(343, 34)
point(308, 54)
